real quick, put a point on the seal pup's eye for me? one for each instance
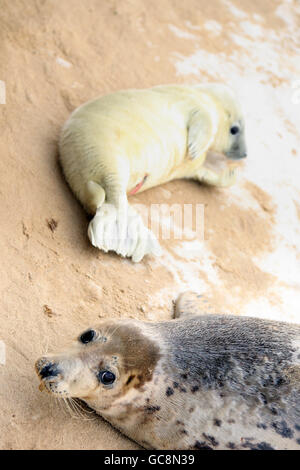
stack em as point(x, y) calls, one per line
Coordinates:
point(106, 377)
point(87, 336)
point(234, 130)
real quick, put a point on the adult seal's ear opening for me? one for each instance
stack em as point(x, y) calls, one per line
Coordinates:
point(126, 142)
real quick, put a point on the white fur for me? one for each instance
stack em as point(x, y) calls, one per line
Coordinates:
point(111, 144)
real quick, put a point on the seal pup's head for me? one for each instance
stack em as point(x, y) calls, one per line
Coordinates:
point(104, 364)
point(230, 138)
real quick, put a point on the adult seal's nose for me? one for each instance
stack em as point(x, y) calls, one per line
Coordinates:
point(48, 370)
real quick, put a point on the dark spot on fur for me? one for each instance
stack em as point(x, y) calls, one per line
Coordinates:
point(191, 410)
point(183, 431)
point(217, 422)
point(264, 446)
point(280, 381)
point(202, 446)
point(257, 446)
point(130, 378)
point(282, 429)
point(182, 389)
point(263, 398)
point(184, 376)
point(273, 411)
point(261, 426)
point(210, 439)
point(230, 445)
point(297, 427)
point(169, 391)
point(298, 441)
point(271, 381)
point(194, 389)
point(175, 384)
point(151, 409)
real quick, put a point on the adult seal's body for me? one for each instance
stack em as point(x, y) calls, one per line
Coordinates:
point(198, 382)
point(133, 140)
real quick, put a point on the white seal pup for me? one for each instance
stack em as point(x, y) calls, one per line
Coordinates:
point(132, 140)
point(201, 381)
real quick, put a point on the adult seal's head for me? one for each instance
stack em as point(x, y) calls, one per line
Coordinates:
point(104, 365)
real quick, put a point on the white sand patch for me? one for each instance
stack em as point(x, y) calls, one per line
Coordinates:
point(287, 310)
point(213, 27)
point(286, 11)
point(258, 18)
point(242, 197)
point(237, 12)
point(63, 62)
point(284, 264)
point(190, 25)
point(179, 33)
point(251, 29)
point(194, 258)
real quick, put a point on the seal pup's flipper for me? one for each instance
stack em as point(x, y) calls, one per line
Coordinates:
point(188, 304)
point(216, 171)
point(118, 227)
point(95, 195)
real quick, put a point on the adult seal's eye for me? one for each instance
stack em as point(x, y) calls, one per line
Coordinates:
point(234, 130)
point(106, 377)
point(87, 336)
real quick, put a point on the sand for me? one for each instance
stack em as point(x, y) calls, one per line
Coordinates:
point(55, 55)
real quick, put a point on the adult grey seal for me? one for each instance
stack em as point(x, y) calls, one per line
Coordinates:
point(201, 381)
point(132, 140)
